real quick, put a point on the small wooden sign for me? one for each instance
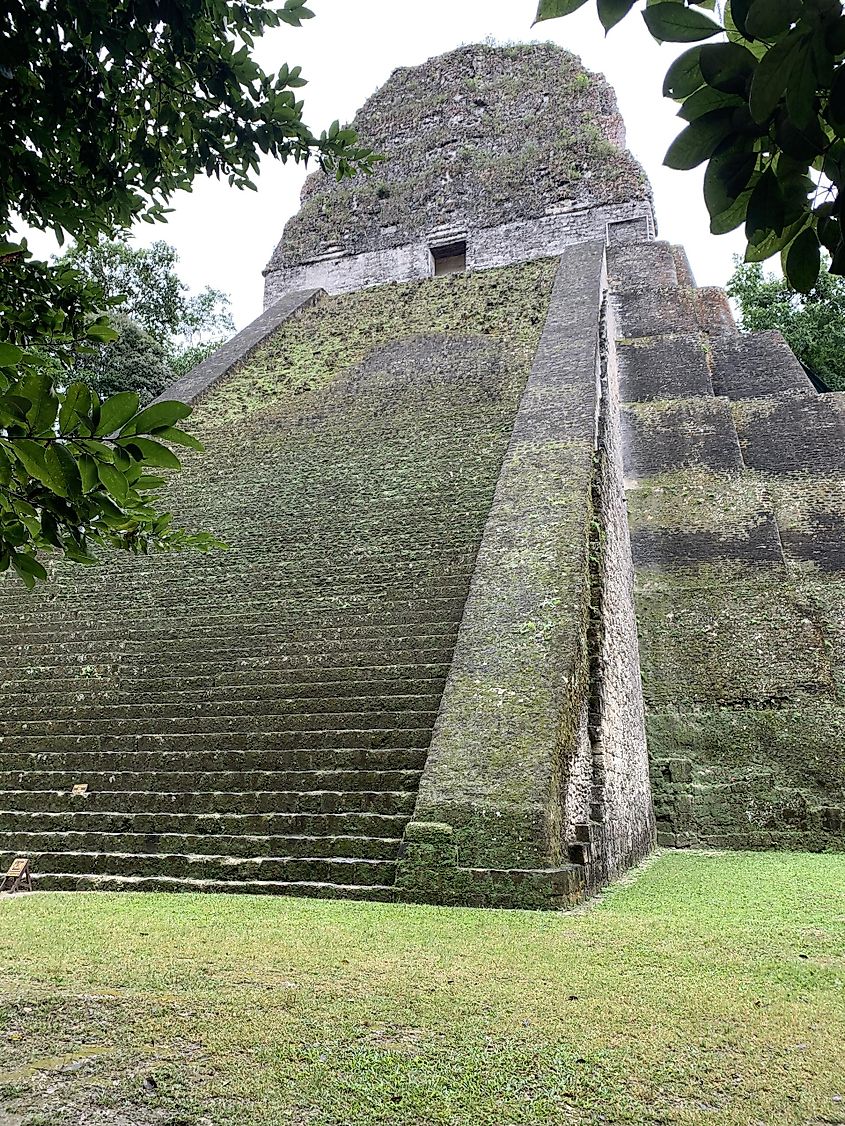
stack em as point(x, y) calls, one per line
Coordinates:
point(79, 789)
point(18, 876)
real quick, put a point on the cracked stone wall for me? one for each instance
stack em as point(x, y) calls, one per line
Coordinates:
point(620, 827)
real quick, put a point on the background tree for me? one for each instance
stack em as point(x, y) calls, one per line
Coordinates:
point(813, 324)
point(163, 329)
point(106, 110)
point(765, 106)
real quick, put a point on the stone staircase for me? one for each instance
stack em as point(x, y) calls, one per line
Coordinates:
point(257, 720)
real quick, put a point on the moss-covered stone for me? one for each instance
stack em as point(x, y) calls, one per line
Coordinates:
point(477, 137)
point(288, 686)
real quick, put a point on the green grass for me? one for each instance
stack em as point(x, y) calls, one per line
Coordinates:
point(711, 989)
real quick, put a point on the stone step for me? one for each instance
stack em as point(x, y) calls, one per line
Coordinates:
point(349, 758)
point(277, 711)
point(361, 739)
point(67, 881)
point(300, 629)
point(159, 801)
point(755, 365)
point(218, 844)
point(414, 607)
point(78, 818)
point(223, 668)
point(360, 639)
point(277, 569)
point(334, 722)
point(279, 673)
point(425, 650)
point(297, 589)
point(338, 870)
point(288, 595)
point(218, 781)
point(77, 694)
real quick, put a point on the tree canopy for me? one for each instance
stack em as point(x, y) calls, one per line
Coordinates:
point(763, 93)
point(813, 324)
point(106, 110)
point(154, 296)
point(163, 329)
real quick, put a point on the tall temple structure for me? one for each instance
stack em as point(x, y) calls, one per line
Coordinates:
point(535, 560)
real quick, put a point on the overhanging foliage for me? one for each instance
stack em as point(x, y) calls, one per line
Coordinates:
point(107, 108)
point(763, 93)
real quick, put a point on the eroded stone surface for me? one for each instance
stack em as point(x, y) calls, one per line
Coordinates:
point(516, 151)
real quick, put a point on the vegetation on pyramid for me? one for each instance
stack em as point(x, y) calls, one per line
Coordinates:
point(259, 720)
point(478, 137)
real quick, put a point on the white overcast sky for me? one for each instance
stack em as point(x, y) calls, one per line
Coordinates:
point(225, 237)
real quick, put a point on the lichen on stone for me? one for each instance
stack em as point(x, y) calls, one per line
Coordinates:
point(477, 137)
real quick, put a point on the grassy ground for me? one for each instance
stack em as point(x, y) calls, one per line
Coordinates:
point(709, 990)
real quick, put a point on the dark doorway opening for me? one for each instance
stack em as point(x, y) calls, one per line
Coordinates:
point(451, 258)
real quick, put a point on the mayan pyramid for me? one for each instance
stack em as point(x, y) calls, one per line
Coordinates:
point(534, 559)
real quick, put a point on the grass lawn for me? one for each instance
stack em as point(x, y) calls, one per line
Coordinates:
point(710, 989)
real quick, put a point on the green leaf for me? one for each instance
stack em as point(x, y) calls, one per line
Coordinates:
point(28, 567)
point(675, 23)
point(612, 11)
point(771, 77)
point(179, 438)
point(75, 405)
point(767, 19)
point(684, 75)
point(148, 481)
point(765, 208)
point(802, 261)
point(67, 482)
point(78, 555)
point(732, 217)
point(772, 243)
point(32, 457)
point(699, 140)
point(62, 466)
point(736, 13)
point(156, 416)
point(705, 101)
point(101, 331)
point(113, 481)
point(801, 144)
point(801, 87)
point(87, 472)
point(554, 9)
point(10, 354)
point(44, 406)
point(152, 453)
point(13, 410)
point(726, 178)
point(727, 67)
point(836, 102)
point(116, 412)
point(835, 37)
